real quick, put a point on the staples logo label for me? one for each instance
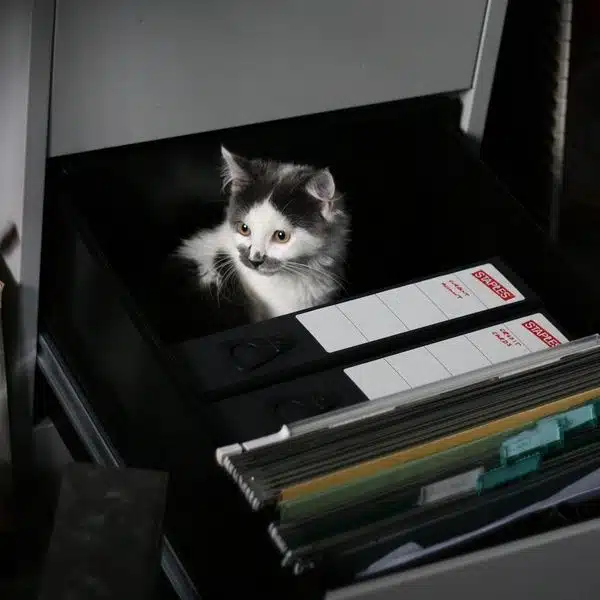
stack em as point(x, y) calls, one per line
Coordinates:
point(541, 333)
point(494, 285)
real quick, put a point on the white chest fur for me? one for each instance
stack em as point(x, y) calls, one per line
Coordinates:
point(283, 294)
point(280, 293)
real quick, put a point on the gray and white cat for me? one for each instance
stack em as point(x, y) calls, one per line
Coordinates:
point(284, 236)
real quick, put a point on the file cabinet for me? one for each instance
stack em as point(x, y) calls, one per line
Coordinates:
point(131, 72)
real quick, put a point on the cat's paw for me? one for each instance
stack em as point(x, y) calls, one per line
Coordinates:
point(209, 274)
point(210, 277)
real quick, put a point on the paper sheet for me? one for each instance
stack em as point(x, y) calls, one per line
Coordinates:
point(586, 487)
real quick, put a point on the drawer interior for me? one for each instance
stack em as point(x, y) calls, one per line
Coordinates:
point(421, 202)
point(419, 199)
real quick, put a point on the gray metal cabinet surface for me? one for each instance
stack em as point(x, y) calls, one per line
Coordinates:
point(137, 70)
point(25, 57)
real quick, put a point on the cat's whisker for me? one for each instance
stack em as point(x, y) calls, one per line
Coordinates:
point(308, 266)
point(308, 272)
point(227, 278)
point(312, 269)
point(221, 262)
point(337, 278)
point(229, 271)
point(305, 270)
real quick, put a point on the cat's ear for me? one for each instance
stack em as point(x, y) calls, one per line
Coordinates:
point(322, 187)
point(235, 171)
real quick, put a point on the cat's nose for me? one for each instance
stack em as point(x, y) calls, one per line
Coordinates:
point(257, 261)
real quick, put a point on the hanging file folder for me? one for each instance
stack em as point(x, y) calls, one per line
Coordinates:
point(320, 461)
point(381, 519)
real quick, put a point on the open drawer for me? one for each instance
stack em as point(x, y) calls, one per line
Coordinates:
point(421, 204)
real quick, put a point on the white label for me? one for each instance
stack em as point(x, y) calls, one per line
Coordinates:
point(418, 367)
point(458, 485)
point(372, 317)
point(452, 296)
point(332, 328)
point(377, 379)
point(459, 355)
point(498, 343)
point(412, 307)
point(455, 356)
point(409, 307)
point(537, 333)
point(490, 286)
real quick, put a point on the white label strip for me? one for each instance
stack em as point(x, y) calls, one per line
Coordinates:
point(409, 307)
point(459, 355)
point(332, 328)
point(372, 318)
point(417, 367)
point(454, 356)
point(377, 378)
point(451, 487)
point(412, 306)
point(536, 332)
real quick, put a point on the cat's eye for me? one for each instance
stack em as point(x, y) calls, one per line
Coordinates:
point(281, 236)
point(243, 229)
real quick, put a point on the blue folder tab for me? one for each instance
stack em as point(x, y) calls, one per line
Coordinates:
point(578, 418)
point(501, 475)
point(539, 439)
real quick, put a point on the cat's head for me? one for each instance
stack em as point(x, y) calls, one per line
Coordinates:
point(283, 216)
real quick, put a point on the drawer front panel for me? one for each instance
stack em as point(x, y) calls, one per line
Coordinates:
point(132, 71)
